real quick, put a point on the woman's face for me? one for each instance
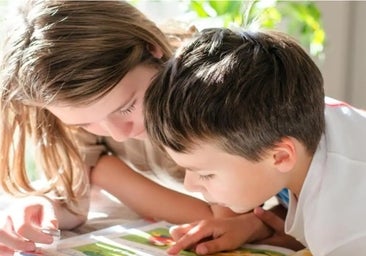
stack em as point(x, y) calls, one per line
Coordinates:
point(117, 114)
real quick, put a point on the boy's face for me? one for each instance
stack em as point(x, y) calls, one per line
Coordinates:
point(229, 180)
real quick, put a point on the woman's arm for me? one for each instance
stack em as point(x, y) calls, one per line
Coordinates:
point(147, 198)
point(66, 218)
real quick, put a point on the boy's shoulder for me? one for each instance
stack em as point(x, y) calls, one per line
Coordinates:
point(342, 112)
point(334, 104)
point(345, 130)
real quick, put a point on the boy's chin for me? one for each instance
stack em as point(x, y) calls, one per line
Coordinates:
point(239, 210)
point(236, 209)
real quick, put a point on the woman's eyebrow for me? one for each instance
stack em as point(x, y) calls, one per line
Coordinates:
point(122, 105)
point(192, 169)
point(126, 103)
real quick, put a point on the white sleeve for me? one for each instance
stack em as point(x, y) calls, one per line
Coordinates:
point(355, 246)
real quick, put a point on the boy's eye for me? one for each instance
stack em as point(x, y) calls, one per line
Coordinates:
point(126, 111)
point(206, 177)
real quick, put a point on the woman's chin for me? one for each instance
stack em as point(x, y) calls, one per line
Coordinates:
point(140, 136)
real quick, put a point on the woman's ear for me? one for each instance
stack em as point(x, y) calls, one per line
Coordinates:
point(284, 155)
point(155, 51)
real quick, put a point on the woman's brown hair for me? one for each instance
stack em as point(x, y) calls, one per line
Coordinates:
point(63, 52)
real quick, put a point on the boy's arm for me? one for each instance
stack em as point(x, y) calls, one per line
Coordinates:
point(222, 212)
point(220, 234)
point(147, 198)
point(211, 236)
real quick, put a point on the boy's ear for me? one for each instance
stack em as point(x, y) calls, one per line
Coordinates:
point(155, 51)
point(284, 155)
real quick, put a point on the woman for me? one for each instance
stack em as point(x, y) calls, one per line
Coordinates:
point(73, 77)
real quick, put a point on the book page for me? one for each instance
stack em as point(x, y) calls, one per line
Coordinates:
point(140, 240)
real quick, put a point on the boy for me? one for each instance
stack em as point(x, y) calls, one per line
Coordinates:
point(244, 113)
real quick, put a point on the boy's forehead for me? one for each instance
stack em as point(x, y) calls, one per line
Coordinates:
point(199, 156)
point(179, 158)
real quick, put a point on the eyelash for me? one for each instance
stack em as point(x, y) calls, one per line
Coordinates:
point(129, 109)
point(206, 177)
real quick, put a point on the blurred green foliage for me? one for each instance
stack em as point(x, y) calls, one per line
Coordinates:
point(301, 19)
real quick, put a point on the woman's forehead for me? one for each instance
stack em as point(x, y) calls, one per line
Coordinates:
point(132, 86)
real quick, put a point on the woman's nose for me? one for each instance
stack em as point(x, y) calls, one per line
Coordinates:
point(191, 182)
point(119, 132)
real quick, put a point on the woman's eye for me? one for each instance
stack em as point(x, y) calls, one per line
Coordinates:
point(84, 126)
point(128, 110)
point(206, 177)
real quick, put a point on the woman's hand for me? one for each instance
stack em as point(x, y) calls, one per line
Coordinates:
point(219, 234)
point(21, 225)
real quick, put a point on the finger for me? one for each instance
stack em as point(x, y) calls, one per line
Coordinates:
point(5, 251)
point(11, 240)
point(176, 232)
point(283, 241)
point(35, 234)
point(274, 240)
point(270, 219)
point(193, 236)
point(222, 243)
point(30, 227)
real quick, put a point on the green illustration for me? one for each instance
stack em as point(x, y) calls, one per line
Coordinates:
point(156, 238)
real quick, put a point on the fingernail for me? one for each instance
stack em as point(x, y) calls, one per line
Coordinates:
point(54, 224)
point(52, 232)
point(30, 247)
point(171, 251)
point(258, 210)
point(201, 249)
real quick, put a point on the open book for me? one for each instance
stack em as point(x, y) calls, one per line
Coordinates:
point(141, 239)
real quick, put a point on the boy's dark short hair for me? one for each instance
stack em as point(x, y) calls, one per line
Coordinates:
point(242, 90)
